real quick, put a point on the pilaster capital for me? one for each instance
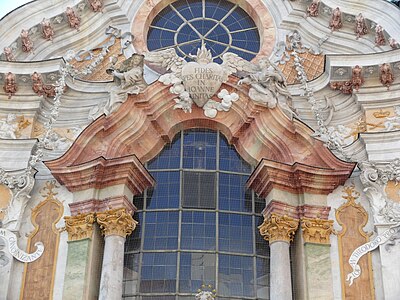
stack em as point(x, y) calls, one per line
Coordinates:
point(116, 222)
point(79, 227)
point(316, 230)
point(278, 228)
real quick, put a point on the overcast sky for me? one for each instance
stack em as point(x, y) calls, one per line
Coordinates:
point(8, 5)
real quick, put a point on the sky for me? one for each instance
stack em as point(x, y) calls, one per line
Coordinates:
point(8, 5)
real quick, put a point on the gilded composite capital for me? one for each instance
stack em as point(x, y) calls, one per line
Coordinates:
point(316, 230)
point(278, 228)
point(79, 227)
point(116, 222)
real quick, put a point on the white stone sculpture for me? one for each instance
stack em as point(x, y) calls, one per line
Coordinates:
point(129, 77)
point(204, 296)
point(9, 127)
point(199, 80)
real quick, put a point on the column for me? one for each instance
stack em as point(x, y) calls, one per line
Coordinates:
point(116, 225)
point(317, 259)
point(84, 251)
point(279, 231)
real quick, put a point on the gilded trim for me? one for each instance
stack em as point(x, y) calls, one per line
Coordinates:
point(116, 222)
point(49, 198)
point(317, 230)
point(79, 227)
point(278, 228)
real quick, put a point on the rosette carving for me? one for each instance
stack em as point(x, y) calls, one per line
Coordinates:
point(116, 222)
point(316, 230)
point(278, 228)
point(79, 227)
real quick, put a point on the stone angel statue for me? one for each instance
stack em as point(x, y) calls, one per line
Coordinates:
point(129, 79)
point(267, 83)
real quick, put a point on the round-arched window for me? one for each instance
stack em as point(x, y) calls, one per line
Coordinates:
point(221, 25)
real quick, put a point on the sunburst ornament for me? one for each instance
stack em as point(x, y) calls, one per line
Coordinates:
point(206, 292)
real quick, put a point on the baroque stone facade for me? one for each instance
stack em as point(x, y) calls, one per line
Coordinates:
point(96, 94)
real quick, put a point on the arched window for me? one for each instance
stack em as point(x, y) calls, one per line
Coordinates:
point(222, 25)
point(198, 225)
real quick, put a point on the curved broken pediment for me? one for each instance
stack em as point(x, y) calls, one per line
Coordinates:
point(146, 122)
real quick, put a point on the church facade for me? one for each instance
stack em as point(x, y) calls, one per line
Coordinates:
point(200, 149)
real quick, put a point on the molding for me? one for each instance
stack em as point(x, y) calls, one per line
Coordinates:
point(95, 205)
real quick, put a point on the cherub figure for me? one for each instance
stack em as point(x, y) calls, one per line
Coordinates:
point(336, 19)
point(9, 53)
point(312, 9)
point(392, 123)
point(47, 29)
point(10, 84)
point(379, 36)
point(386, 77)
point(73, 20)
point(27, 44)
point(97, 5)
point(130, 80)
point(268, 85)
point(361, 27)
point(357, 80)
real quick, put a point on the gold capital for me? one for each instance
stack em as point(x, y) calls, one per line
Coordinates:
point(278, 228)
point(79, 227)
point(116, 222)
point(316, 231)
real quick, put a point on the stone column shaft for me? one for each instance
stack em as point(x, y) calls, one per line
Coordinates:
point(115, 224)
point(279, 231)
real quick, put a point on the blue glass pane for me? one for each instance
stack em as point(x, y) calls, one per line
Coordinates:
point(198, 230)
point(133, 241)
point(131, 272)
point(236, 276)
point(169, 157)
point(262, 246)
point(158, 273)
point(195, 270)
point(235, 233)
point(230, 160)
point(161, 231)
point(262, 280)
point(166, 192)
point(233, 194)
point(199, 150)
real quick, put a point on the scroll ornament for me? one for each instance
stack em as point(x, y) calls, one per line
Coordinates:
point(17, 253)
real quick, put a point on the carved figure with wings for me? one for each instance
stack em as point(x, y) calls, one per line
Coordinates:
point(267, 83)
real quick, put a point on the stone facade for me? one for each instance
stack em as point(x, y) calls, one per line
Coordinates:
point(316, 112)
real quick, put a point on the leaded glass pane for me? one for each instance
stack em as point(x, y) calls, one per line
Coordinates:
point(199, 150)
point(198, 230)
point(161, 231)
point(166, 192)
point(235, 233)
point(233, 194)
point(199, 190)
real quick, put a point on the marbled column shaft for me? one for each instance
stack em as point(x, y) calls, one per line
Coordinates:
point(113, 267)
point(281, 282)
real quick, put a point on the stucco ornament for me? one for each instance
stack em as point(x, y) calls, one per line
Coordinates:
point(199, 81)
point(361, 27)
point(9, 127)
point(9, 53)
point(96, 5)
point(47, 29)
point(393, 123)
point(27, 44)
point(206, 292)
point(73, 19)
point(129, 79)
point(10, 84)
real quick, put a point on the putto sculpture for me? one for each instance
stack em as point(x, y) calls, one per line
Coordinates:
point(10, 84)
point(336, 19)
point(379, 36)
point(47, 30)
point(206, 292)
point(40, 88)
point(27, 44)
point(9, 54)
point(73, 20)
point(96, 5)
point(386, 77)
point(199, 80)
point(312, 9)
point(129, 77)
point(9, 127)
point(361, 27)
point(357, 80)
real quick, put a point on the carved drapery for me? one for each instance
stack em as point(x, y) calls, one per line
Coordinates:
point(316, 230)
point(353, 217)
point(38, 280)
point(278, 228)
point(79, 227)
point(116, 222)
